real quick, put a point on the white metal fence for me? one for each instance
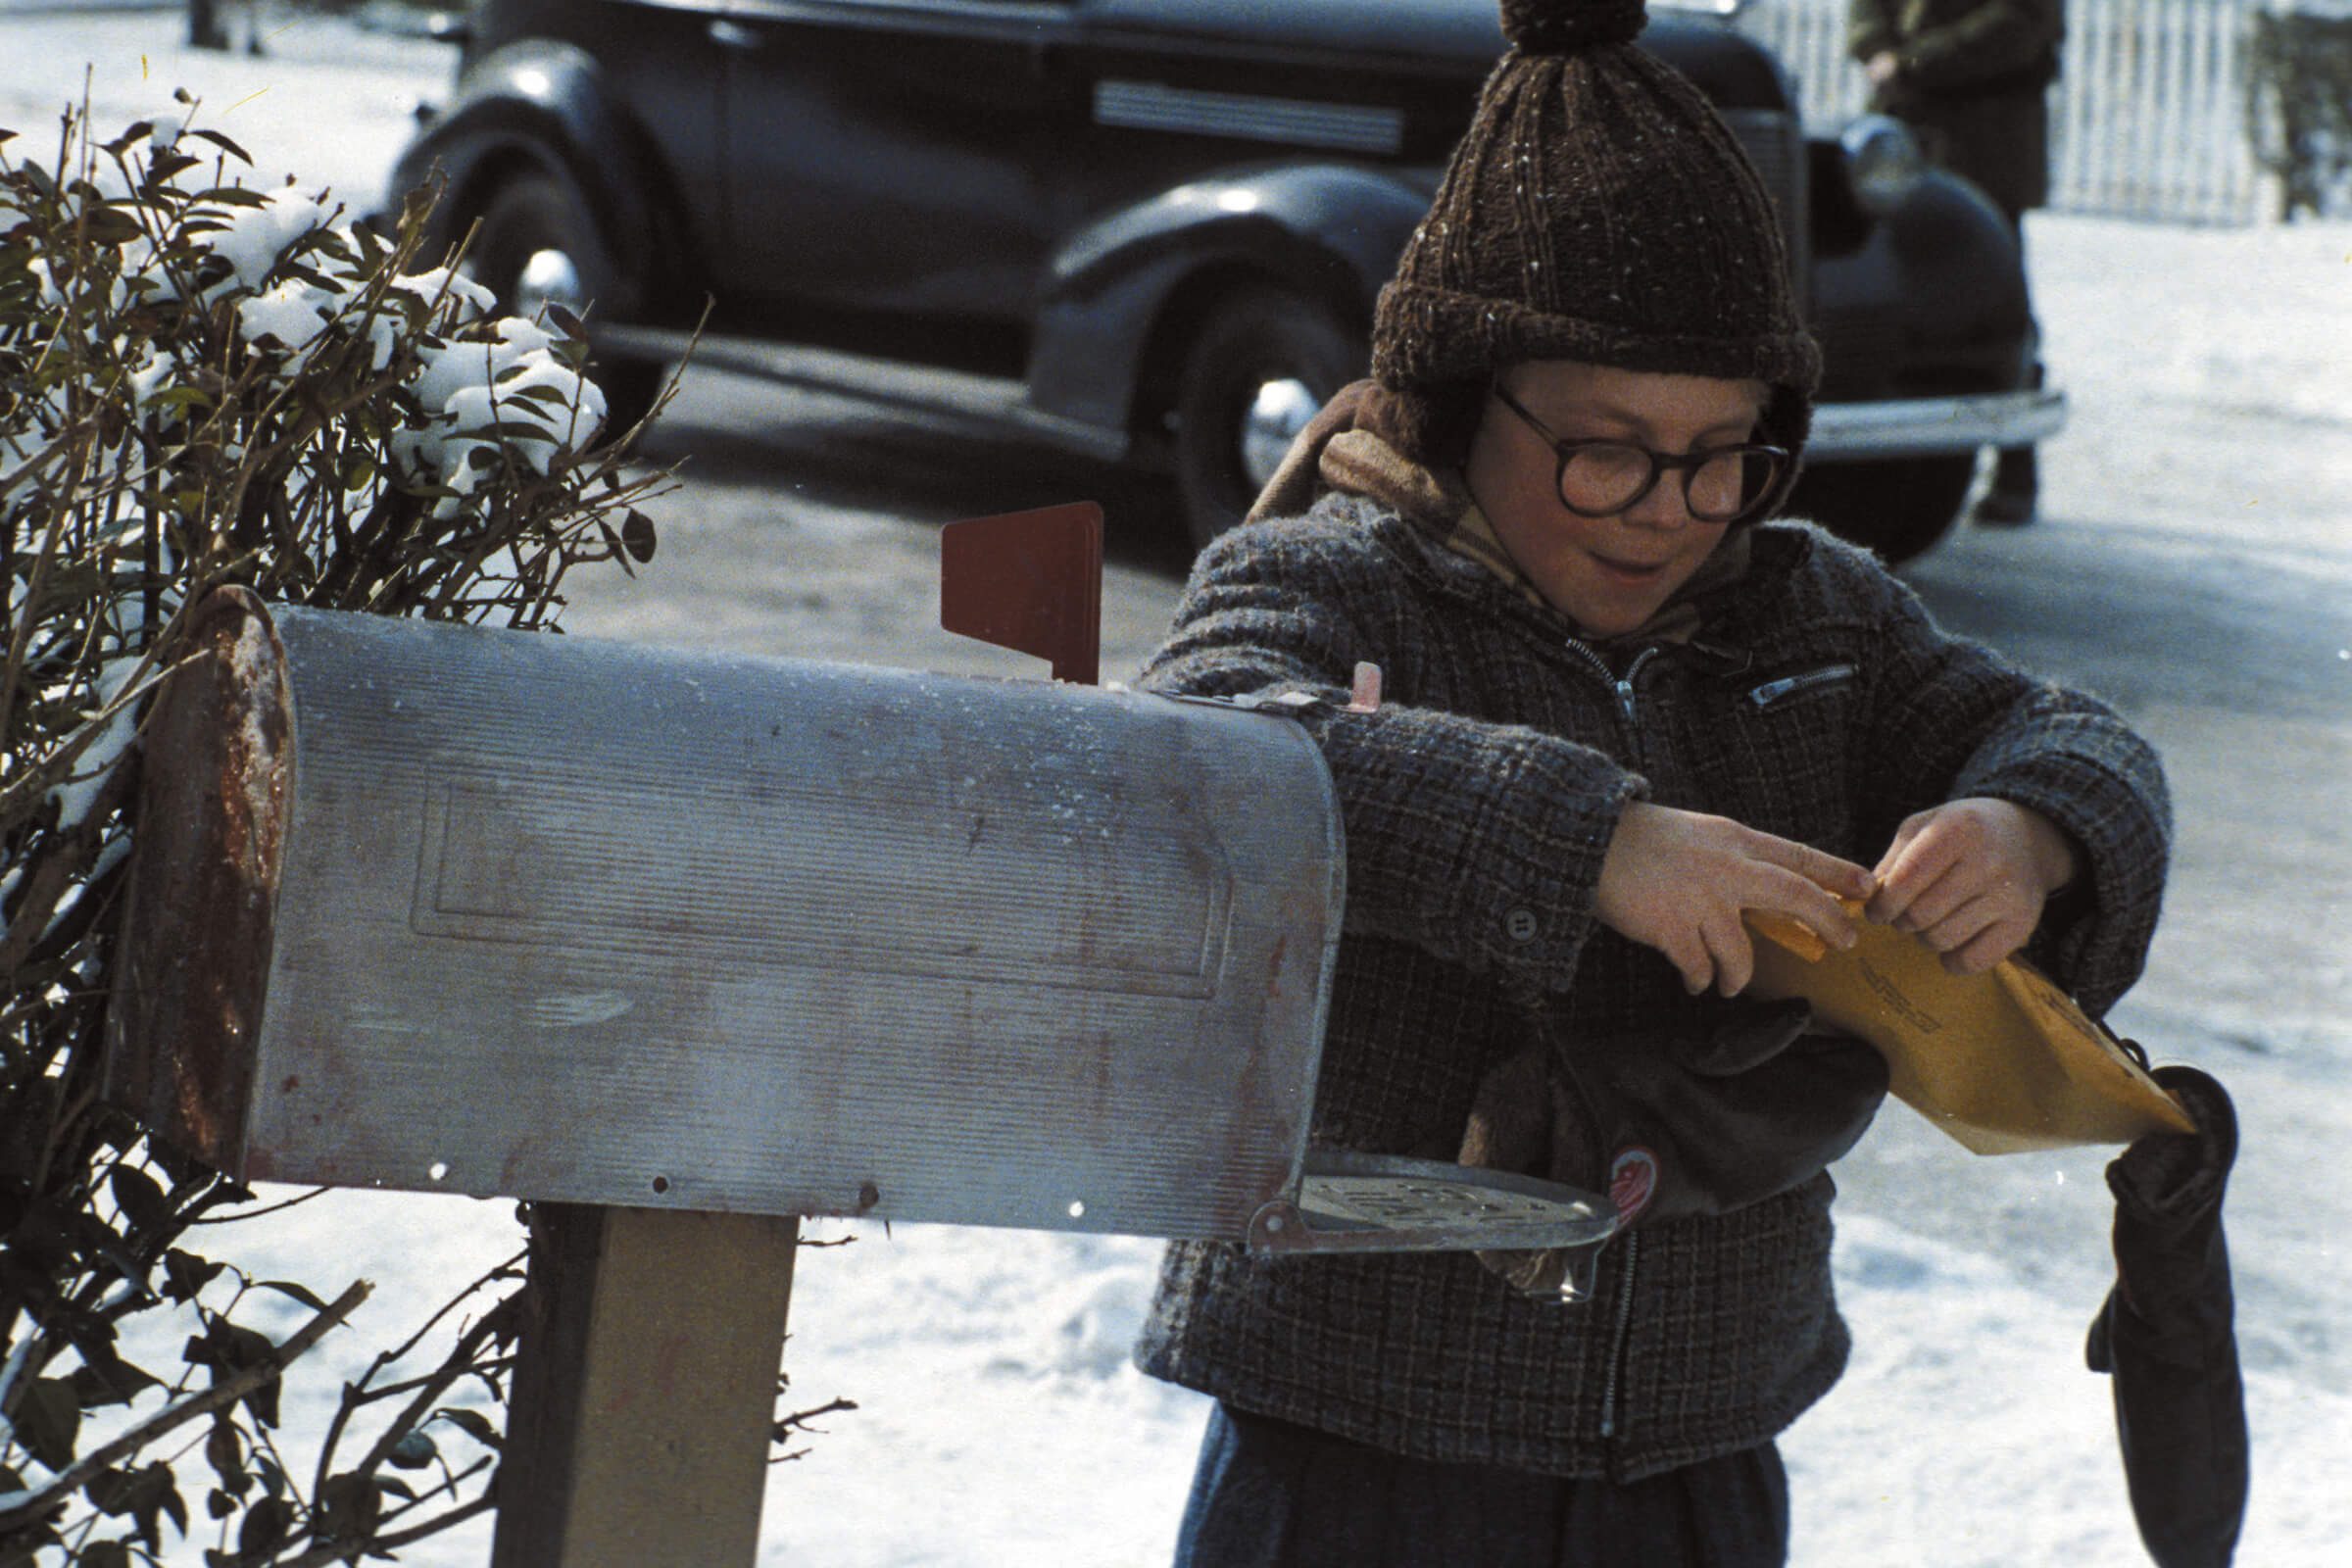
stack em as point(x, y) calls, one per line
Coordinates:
point(2149, 119)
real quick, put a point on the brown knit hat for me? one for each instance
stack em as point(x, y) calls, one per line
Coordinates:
point(1597, 208)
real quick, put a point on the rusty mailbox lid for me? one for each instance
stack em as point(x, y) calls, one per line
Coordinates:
point(450, 909)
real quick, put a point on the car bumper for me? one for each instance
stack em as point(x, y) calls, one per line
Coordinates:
point(1919, 427)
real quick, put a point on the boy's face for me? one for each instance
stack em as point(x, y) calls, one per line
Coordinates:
point(1607, 574)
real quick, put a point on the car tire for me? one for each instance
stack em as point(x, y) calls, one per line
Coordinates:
point(536, 247)
point(1261, 364)
point(1898, 507)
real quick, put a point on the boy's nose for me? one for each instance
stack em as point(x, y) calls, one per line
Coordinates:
point(1663, 508)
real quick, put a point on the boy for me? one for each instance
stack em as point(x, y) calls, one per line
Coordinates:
point(1620, 708)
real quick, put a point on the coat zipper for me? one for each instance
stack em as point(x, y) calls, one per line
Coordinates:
point(1622, 685)
point(1618, 1336)
point(1628, 710)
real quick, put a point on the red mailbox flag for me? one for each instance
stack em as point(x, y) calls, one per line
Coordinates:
point(1031, 581)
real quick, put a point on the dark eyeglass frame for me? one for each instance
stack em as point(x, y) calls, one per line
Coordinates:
point(1687, 464)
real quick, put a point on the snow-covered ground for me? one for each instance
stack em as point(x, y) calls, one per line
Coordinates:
point(998, 1422)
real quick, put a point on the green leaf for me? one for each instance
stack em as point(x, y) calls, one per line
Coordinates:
point(474, 1424)
point(225, 144)
point(107, 1379)
point(224, 1451)
point(103, 1555)
point(111, 225)
point(140, 1197)
point(265, 1524)
point(416, 1451)
point(114, 1492)
point(349, 1505)
point(184, 1273)
point(48, 1422)
point(263, 1402)
point(637, 532)
point(173, 1502)
point(165, 166)
point(299, 1292)
point(311, 276)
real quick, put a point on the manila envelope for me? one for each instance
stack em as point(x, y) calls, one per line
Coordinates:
point(2003, 1061)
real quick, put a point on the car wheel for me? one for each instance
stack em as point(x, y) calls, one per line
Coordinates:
point(536, 248)
point(1262, 365)
point(1898, 507)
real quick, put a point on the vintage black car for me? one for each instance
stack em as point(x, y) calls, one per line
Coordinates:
point(1152, 229)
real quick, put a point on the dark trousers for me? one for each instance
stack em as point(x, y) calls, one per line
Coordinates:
point(1271, 1494)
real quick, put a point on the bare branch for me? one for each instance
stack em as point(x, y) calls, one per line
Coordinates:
point(217, 1398)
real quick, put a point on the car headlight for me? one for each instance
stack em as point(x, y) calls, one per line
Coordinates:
point(1883, 162)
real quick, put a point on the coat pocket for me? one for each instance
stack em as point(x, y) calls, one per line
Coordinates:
point(1789, 688)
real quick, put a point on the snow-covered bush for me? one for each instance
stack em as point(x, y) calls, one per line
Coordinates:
point(202, 384)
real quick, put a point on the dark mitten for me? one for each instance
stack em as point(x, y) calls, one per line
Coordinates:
point(1527, 1120)
point(2167, 1335)
point(1671, 1126)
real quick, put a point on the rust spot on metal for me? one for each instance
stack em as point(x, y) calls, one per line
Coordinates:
point(1274, 964)
point(215, 795)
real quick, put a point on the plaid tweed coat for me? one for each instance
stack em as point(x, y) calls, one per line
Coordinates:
point(1816, 701)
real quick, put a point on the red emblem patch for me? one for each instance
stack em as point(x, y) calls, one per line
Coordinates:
point(1633, 1183)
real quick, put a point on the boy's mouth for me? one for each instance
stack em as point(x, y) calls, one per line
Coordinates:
point(1631, 570)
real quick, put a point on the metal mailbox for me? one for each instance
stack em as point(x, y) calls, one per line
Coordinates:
point(448, 908)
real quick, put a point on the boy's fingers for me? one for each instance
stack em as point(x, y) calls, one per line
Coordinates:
point(1937, 902)
point(1734, 959)
point(1818, 866)
point(1986, 949)
point(1906, 873)
point(1903, 836)
point(1690, 959)
point(1960, 925)
point(1801, 898)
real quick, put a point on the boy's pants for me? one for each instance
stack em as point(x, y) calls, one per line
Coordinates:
point(1271, 1494)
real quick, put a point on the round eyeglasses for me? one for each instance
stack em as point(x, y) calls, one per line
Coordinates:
point(1603, 478)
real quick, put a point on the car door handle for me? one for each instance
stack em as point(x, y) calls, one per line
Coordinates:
point(734, 34)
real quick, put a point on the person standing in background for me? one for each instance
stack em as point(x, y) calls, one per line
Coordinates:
point(1972, 78)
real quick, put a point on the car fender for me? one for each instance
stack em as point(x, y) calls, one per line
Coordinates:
point(1932, 300)
point(1120, 293)
point(544, 104)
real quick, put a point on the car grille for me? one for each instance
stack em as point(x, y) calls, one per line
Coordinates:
point(1860, 349)
point(1776, 143)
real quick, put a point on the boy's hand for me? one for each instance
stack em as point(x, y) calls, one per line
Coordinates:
point(1970, 878)
point(1677, 881)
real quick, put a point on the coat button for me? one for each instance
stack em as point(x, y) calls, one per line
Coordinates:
point(1520, 924)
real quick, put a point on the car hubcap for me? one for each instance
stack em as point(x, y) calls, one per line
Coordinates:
point(1278, 412)
point(549, 277)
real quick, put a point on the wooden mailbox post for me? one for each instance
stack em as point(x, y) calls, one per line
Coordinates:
point(679, 946)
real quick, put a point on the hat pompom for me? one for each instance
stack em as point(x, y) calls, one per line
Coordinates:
point(1559, 26)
